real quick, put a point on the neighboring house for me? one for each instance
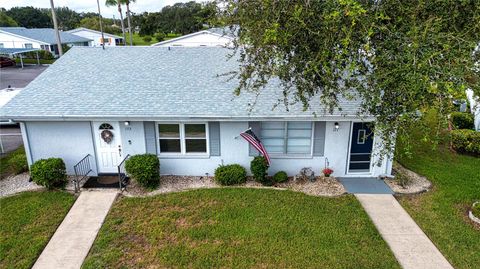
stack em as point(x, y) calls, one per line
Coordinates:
point(43, 38)
point(172, 103)
point(474, 103)
point(109, 39)
point(214, 37)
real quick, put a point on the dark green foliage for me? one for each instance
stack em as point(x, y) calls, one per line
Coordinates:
point(416, 61)
point(147, 38)
point(42, 54)
point(280, 177)
point(232, 174)
point(50, 173)
point(259, 167)
point(462, 120)
point(31, 17)
point(160, 36)
point(6, 167)
point(5, 20)
point(18, 163)
point(145, 169)
point(466, 141)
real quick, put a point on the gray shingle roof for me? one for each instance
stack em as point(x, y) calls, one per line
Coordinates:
point(45, 35)
point(149, 82)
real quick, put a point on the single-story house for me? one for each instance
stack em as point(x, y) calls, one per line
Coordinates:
point(109, 39)
point(172, 102)
point(213, 37)
point(42, 38)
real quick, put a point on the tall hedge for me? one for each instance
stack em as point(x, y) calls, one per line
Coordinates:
point(462, 120)
point(50, 173)
point(466, 141)
point(259, 167)
point(145, 169)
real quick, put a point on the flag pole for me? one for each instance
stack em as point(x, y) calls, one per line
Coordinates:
point(248, 129)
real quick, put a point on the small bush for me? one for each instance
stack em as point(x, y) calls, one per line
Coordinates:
point(403, 180)
point(230, 174)
point(144, 169)
point(259, 167)
point(280, 177)
point(160, 36)
point(18, 163)
point(50, 173)
point(147, 38)
point(466, 141)
point(462, 120)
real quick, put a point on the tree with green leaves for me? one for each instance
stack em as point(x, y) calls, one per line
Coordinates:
point(118, 3)
point(5, 20)
point(30, 17)
point(399, 58)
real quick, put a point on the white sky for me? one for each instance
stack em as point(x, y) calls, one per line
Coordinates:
point(91, 5)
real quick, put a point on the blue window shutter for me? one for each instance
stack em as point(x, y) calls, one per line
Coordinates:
point(150, 139)
point(319, 138)
point(256, 128)
point(214, 133)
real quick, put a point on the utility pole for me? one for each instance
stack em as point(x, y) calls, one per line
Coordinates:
point(55, 26)
point(101, 24)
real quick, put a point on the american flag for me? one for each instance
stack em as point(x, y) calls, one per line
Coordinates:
point(251, 138)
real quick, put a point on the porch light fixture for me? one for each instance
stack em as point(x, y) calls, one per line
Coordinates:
point(336, 127)
point(127, 123)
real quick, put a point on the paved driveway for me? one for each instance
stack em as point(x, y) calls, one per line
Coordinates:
point(17, 77)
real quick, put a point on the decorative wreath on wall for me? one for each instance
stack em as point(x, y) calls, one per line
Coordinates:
point(107, 136)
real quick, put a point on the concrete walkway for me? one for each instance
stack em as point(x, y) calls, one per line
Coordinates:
point(70, 244)
point(409, 244)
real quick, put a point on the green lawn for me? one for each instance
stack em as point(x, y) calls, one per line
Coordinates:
point(5, 168)
point(442, 213)
point(27, 221)
point(238, 228)
point(138, 40)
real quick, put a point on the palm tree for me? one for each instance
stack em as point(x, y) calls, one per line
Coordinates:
point(127, 3)
point(118, 3)
point(55, 26)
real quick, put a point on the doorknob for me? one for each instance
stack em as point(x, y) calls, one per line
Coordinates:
point(120, 150)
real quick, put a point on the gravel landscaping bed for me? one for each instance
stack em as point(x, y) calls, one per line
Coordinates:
point(20, 183)
point(17, 183)
point(321, 187)
point(417, 184)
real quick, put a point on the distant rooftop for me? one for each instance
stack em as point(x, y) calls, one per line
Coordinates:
point(93, 31)
point(44, 35)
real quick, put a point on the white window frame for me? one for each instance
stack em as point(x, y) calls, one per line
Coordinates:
point(183, 138)
point(25, 45)
point(285, 137)
point(361, 138)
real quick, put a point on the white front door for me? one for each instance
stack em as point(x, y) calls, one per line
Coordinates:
point(109, 145)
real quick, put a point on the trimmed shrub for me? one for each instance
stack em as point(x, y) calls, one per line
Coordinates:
point(466, 141)
point(280, 177)
point(18, 163)
point(231, 174)
point(462, 120)
point(147, 38)
point(160, 36)
point(50, 173)
point(259, 167)
point(144, 169)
